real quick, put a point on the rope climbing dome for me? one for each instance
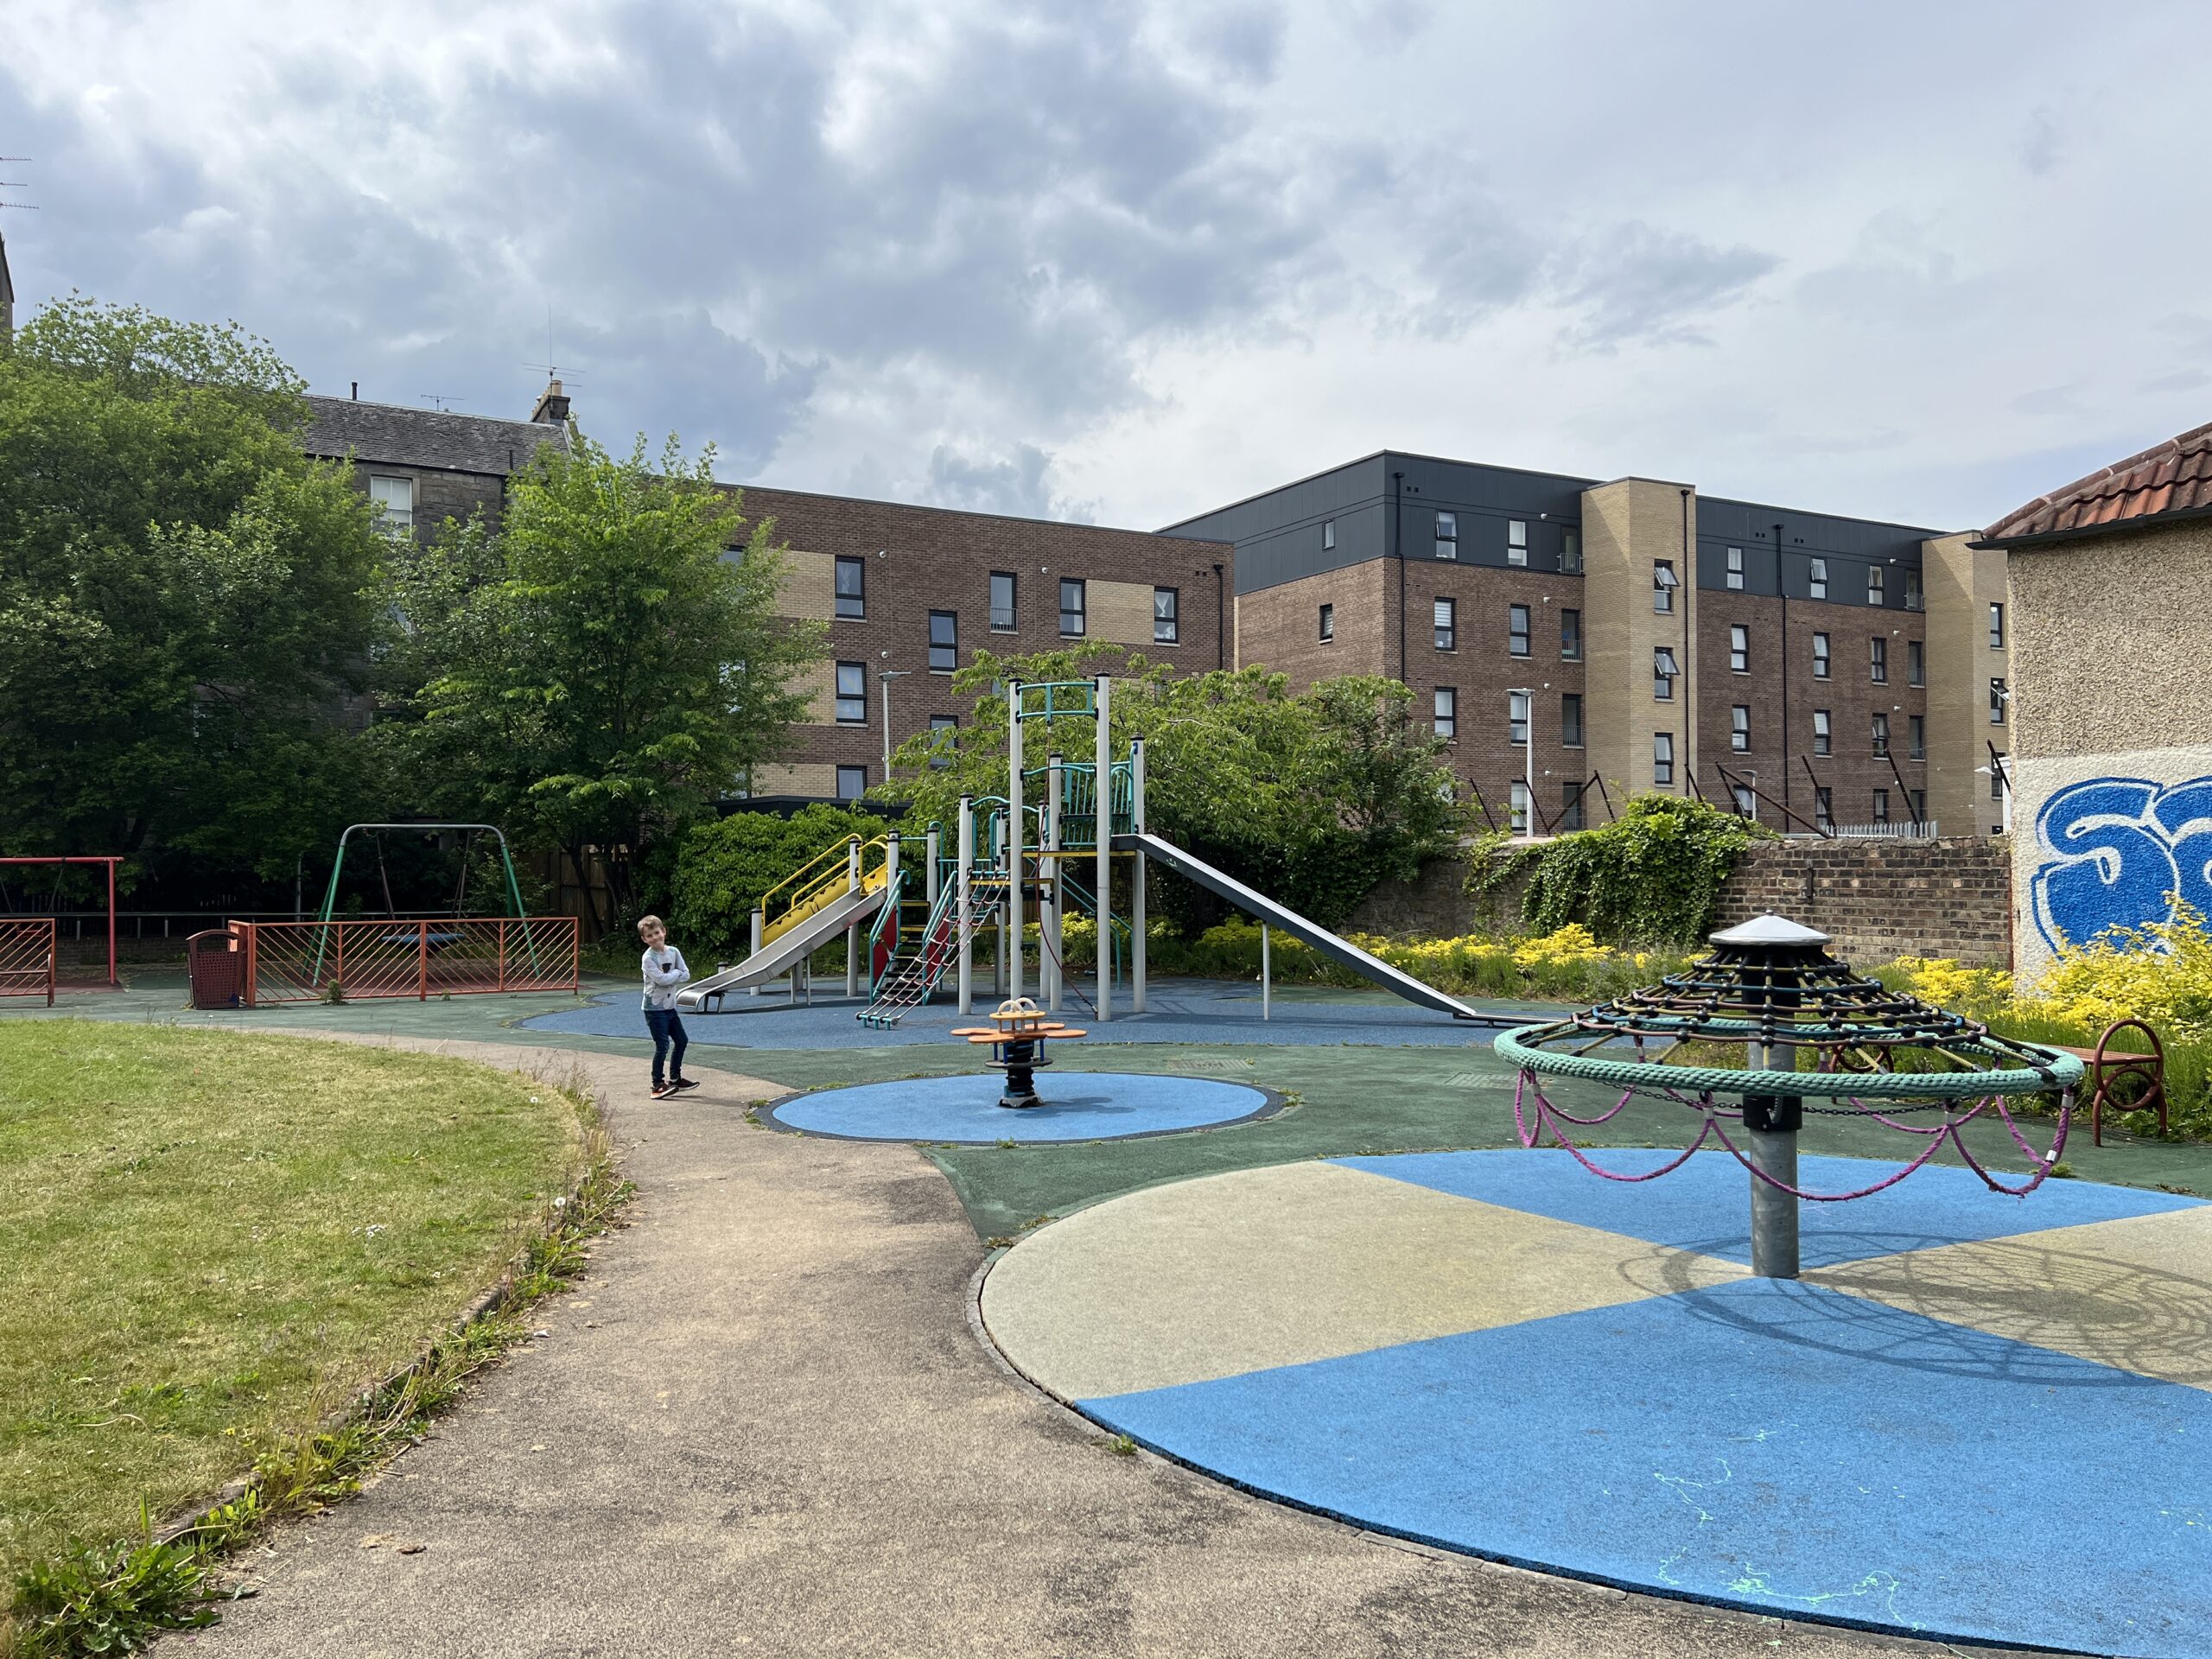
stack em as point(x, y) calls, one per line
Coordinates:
point(1816, 1038)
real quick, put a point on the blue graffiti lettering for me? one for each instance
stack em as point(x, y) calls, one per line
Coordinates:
point(2119, 848)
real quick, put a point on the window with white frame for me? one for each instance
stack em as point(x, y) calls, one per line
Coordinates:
point(1663, 757)
point(1734, 574)
point(852, 694)
point(1997, 697)
point(1816, 579)
point(1517, 541)
point(1664, 669)
point(1447, 712)
point(1823, 733)
point(1166, 619)
point(1881, 735)
point(1663, 583)
point(1445, 616)
point(394, 499)
point(852, 589)
point(1447, 535)
point(1516, 630)
point(1875, 591)
point(1739, 728)
point(1740, 649)
point(1819, 656)
point(1516, 716)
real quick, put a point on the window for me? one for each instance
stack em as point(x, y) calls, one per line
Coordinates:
point(1517, 541)
point(1328, 623)
point(1516, 715)
point(1816, 579)
point(1521, 814)
point(1881, 735)
point(1328, 535)
point(852, 782)
point(1663, 670)
point(1447, 535)
point(945, 641)
point(1881, 806)
point(1447, 712)
point(1823, 733)
point(1167, 623)
point(1997, 699)
point(1570, 720)
point(1663, 757)
point(1916, 662)
point(1570, 806)
point(1874, 591)
point(1001, 601)
point(1916, 727)
point(1919, 799)
point(1747, 804)
point(1879, 659)
point(1824, 806)
point(1912, 600)
point(1996, 626)
point(1662, 586)
point(1819, 656)
point(852, 589)
point(1570, 636)
point(852, 694)
point(1739, 728)
point(1997, 780)
point(1071, 607)
point(1570, 561)
point(1516, 630)
point(1446, 614)
point(943, 745)
point(1735, 577)
point(1740, 649)
point(394, 498)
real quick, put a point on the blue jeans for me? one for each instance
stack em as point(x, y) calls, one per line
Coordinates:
point(667, 1028)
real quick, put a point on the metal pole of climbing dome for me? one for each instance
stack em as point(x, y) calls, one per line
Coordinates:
point(1136, 877)
point(1051, 899)
point(963, 896)
point(1010, 936)
point(1771, 1120)
point(1104, 822)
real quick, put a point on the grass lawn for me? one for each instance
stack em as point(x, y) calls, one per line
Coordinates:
point(212, 1238)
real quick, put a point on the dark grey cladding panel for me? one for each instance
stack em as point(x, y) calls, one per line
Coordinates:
point(1284, 534)
point(1849, 546)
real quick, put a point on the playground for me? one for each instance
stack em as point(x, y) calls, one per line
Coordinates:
point(1779, 1301)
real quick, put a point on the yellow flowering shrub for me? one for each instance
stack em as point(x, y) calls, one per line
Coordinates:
point(1949, 984)
point(2160, 973)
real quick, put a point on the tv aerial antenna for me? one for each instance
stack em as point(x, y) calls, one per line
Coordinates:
point(438, 400)
point(551, 370)
point(16, 184)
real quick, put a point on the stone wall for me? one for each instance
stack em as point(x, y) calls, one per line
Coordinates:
point(1878, 900)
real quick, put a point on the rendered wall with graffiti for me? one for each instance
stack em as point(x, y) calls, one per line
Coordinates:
point(2104, 841)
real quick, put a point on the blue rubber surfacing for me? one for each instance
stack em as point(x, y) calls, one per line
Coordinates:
point(1077, 1106)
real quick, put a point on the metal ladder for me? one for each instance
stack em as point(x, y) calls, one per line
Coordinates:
point(911, 973)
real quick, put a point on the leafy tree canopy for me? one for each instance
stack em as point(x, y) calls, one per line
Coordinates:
point(600, 669)
point(726, 865)
point(186, 601)
point(1311, 797)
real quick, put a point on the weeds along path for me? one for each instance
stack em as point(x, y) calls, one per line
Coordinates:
point(761, 1423)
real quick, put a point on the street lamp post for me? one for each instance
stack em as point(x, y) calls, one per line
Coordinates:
point(885, 676)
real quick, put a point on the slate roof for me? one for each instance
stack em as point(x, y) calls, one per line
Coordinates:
point(2172, 478)
point(425, 437)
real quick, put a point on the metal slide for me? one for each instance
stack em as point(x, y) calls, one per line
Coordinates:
point(777, 957)
point(1283, 919)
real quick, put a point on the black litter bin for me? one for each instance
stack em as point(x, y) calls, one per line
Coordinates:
point(217, 967)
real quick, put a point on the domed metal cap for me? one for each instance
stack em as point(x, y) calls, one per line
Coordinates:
point(1770, 929)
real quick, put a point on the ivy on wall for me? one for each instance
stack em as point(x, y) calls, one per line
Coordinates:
point(1652, 876)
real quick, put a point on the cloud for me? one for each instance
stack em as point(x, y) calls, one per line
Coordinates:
point(1639, 283)
point(1014, 484)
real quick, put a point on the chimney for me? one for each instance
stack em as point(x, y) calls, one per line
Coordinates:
point(552, 405)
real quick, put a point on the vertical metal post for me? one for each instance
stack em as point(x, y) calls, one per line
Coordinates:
point(760, 924)
point(1010, 931)
point(1266, 976)
point(1770, 1124)
point(1105, 891)
point(963, 896)
point(1136, 878)
point(929, 870)
point(1051, 899)
point(111, 979)
point(893, 876)
point(853, 928)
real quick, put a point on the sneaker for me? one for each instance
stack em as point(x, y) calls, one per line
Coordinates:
point(663, 1091)
point(675, 1083)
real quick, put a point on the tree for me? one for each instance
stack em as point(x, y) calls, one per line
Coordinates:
point(1313, 797)
point(600, 669)
point(186, 601)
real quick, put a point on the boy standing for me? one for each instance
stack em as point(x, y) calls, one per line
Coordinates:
point(665, 974)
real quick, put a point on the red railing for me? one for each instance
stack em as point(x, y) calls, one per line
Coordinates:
point(416, 956)
point(26, 956)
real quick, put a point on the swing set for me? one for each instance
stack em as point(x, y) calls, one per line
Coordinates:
point(29, 945)
point(332, 959)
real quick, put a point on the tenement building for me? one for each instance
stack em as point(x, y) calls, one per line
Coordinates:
point(422, 466)
point(1576, 638)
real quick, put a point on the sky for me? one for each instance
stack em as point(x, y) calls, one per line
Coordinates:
point(1128, 261)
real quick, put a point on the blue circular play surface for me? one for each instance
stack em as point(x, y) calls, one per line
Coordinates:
point(1077, 1106)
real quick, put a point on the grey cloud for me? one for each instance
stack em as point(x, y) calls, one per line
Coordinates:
point(1638, 283)
point(2040, 150)
point(1014, 485)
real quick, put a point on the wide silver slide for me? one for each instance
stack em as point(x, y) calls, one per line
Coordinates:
point(777, 957)
point(1286, 920)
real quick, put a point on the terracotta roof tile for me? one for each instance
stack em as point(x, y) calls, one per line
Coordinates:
point(2175, 476)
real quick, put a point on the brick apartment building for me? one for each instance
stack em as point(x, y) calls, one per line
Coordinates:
point(1808, 668)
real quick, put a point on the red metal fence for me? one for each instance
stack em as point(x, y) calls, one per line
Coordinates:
point(26, 956)
point(419, 956)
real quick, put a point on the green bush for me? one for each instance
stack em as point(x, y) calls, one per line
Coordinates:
point(724, 867)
